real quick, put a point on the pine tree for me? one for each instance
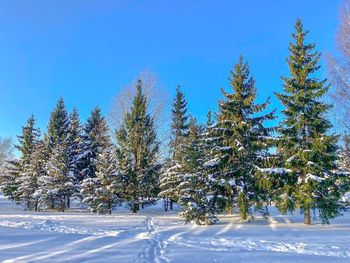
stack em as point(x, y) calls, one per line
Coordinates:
point(137, 149)
point(239, 141)
point(103, 192)
point(95, 139)
point(308, 152)
point(169, 178)
point(26, 141)
point(196, 191)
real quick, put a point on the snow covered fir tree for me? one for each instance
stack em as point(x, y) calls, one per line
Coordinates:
point(137, 150)
point(196, 190)
point(307, 150)
point(104, 191)
point(95, 139)
point(240, 144)
point(175, 131)
point(242, 160)
point(171, 176)
point(25, 171)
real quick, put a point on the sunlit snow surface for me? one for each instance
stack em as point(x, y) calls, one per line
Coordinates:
point(155, 236)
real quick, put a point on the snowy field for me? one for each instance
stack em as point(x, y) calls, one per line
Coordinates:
point(156, 236)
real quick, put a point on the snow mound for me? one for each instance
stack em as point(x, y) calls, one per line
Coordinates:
point(53, 226)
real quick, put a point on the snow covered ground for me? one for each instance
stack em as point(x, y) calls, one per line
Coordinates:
point(156, 236)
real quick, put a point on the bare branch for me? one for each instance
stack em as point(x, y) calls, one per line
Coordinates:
point(339, 69)
point(158, 105)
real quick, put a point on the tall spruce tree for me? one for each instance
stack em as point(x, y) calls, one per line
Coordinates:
point(30, 136)
point(95, 139)
point(28, 181)
point(169, 178)
point(137, 149)
point(55, 186)
point(240, 142)
point(74, 143)
point(58, 126)
point(196, 190)
point(179, 122)
point(307, 149)
point(26, 142)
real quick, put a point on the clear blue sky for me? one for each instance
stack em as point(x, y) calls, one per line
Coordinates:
point(85, 51)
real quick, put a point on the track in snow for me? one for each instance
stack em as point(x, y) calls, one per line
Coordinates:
point(155, 250)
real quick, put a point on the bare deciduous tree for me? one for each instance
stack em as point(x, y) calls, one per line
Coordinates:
point(339, 68)
point(157, 99)
point(6, 152)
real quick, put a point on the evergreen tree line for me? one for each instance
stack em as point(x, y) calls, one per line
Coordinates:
point(75, 160)
point(235, 161)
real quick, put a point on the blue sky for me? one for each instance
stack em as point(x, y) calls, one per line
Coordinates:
point(86, 51)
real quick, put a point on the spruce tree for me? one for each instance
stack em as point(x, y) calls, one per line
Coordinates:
point(169, 178)
point(30, 136)
point(307, 150)
point(240, 141)
point(26, 142)
point(95, 139)
point(179, 122)
point(27, 192)
point(74, 143)
point(104, 191)
point(55, 187)
point(58, 126)
point(196, 190)
point(137, 149)
point(30, 165)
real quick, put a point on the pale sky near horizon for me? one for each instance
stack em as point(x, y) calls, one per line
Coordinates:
point(86, 51)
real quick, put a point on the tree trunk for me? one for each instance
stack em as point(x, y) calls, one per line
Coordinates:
point(110, 207)
point(52, 203)
point(266, 211)
point(165, 204)
point(63, 203)
point(135, 208)
point(307, 219)
point(171, 204)
point(229, 209)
